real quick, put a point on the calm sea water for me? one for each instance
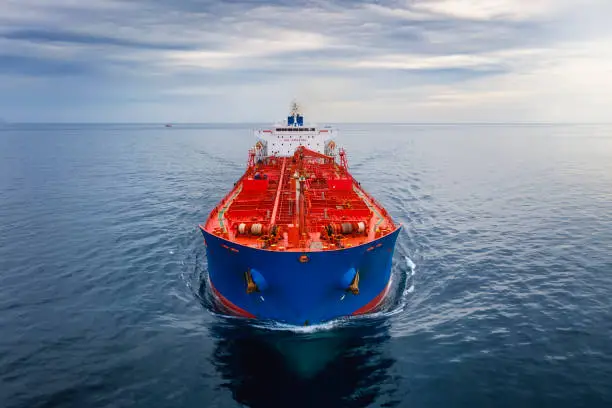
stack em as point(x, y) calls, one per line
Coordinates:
point(502, 291)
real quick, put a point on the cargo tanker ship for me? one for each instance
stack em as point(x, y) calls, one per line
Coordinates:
point(297, 240)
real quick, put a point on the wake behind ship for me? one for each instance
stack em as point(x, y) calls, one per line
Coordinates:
point(298, 240)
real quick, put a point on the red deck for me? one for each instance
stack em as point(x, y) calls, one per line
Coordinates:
point(307, 202)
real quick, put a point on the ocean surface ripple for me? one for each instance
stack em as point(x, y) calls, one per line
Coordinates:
point(501, 280)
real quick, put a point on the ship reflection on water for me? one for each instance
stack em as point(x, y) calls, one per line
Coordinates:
point(340, 367)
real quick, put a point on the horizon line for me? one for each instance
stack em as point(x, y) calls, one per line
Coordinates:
point(318, 123)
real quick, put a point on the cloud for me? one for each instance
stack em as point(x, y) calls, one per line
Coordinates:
point(239, 51)
point(59, 36)
point(490, 9)
point(442, 60)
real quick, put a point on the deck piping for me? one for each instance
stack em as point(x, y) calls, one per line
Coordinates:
point(370, 206)
point(278, 190)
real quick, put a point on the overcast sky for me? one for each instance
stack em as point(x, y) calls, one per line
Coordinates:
point(344, 60)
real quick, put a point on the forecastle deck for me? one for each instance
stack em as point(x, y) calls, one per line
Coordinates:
point(307, 202)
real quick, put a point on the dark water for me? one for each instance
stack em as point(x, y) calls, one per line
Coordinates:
point(509, 305)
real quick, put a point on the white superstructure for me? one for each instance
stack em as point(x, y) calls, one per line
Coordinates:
point(282, 139)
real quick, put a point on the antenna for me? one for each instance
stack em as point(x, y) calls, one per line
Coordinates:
point(295, 108)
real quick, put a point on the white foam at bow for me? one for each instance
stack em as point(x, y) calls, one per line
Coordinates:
point(410, 265)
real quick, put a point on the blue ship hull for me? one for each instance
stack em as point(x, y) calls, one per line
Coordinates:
point(296, 290)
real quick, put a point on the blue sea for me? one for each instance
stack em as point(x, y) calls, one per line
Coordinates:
point(502, 276)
